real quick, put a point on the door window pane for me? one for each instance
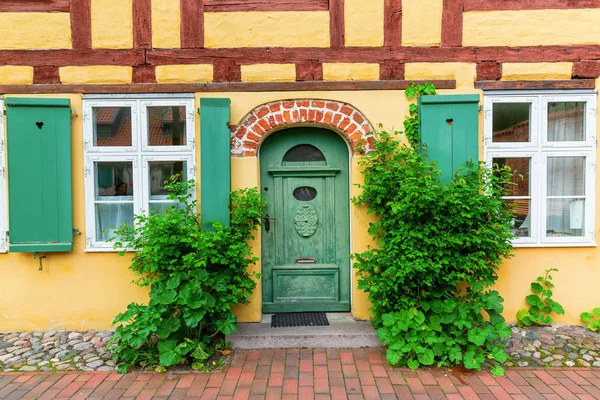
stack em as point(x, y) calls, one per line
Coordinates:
point(114, 197)
point(565, 217)
point(159, 173)
point(112, 126)
point(305, 193)
point(522, 217)
point(303, 153)
point(511, 122)
point(520, 167)
point(566, 121)
point(566, 176)
point(166, 126)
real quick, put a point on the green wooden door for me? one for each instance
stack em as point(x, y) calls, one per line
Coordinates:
point(306, 243)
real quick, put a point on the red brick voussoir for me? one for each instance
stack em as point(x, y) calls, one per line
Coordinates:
point(343, 118)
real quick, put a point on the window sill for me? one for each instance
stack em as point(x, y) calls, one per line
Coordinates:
point(550, 245)
point(103, 250)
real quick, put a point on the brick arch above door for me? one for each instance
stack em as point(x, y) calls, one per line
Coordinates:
point(340, 117)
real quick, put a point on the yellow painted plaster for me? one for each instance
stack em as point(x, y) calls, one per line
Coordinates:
point(464, 73)
point(350, 71)
point(32, 31)
point(184, 73)
point(112, 24)
point(98, 74)
point(16, 75)
point(422, 22)
point(536, 71)
point(531, 27)
point(166, 22)
point(363, 22)
point(267, 29)
point(269, 73)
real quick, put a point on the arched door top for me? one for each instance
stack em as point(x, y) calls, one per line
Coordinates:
point(340, 117)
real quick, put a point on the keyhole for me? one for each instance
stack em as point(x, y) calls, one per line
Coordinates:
point(39, 124)
point(449, 121)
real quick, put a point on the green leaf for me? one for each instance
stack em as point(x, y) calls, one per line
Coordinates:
point(498, 354)
point(412, 364)
point(227, 325)
point(536, 287)
point(596, 311)
point(388, 319)
point(470, 361)
point(556, 307)
point(173, 282)
point(587, 317)
point(477, 336)
point(419, 316)
point(426, 357)
point(169, 353)
point(392, 356)
point(455, 354)
point(167, 326)
point(534, 300)
point(166, 296)
point(193, 317)
point(497, 370)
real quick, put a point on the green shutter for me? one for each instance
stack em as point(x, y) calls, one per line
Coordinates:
point(39, 174)
point(449, 128)
point(215, 160)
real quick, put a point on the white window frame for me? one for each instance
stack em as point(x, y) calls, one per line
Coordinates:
point(539, 149)
point(3, 193)
point(139, 154)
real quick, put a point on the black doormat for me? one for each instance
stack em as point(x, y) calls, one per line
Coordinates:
point(299, 319)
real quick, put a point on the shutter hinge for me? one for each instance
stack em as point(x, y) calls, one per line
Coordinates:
point(198, 111)
point(193, 140)
point(87, 171)
point(73, 113)
point(2, 171)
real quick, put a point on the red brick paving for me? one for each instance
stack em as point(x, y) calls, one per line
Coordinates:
point(306, 374)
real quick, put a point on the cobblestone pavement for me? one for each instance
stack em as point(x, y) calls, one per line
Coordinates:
point(306, 374)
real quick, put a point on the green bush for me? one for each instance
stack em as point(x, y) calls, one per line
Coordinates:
point(592, 319)
point(540, 302)
point(438, 249)
point(196, 276)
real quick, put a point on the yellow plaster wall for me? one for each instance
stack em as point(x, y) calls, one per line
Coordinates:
point(34, 31)
point(422, 22)
point(75, 290)
point(95, 75)
point(166, 22)
point(537, 71)
point(464, 73)
point(267, 29)
point(184, 73)
point(363, 21)
point(112, 24)
point(16, 75)
point(269, 73)
point(531, 27)
point(350, 71)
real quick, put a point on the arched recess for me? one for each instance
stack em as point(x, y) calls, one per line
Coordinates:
point(343, 118)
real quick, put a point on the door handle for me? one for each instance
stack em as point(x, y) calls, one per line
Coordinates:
point(268, 222)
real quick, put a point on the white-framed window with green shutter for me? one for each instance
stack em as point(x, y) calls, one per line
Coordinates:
point(3, 208)
point(132, 146)
point(549, 140)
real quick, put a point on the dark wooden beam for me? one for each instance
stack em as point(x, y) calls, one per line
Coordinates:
point(192, 24)
point(81, 24)
point(336, 23)
point(265, 5)
point(142, 24)
point(220, 87)
point(34, 6)
point(489, 5)
point(536, 85)
point(72, 57)
point(392, 27)
point(452, 23)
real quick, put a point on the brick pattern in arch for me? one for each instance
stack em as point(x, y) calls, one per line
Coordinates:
point(268, 118)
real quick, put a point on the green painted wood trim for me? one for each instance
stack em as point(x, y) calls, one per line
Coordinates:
point(40, 247)
point(300, 172)
point(342, 306)
point(36, 102)
point(215, 161)
point(453, 98)
point(39, 175)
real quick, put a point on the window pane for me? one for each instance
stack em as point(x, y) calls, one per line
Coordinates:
point(511, 122)
point(166, 126)
point(522, 218)
point(114, 181)
point(110, 216)
point(303, 153)
point(161, 171)
point(566, 176)
point(566, 122)
point(160, 207)
point(520, 168)
point(565, 217)
point(112, 126)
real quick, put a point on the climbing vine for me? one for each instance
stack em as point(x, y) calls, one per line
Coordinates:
point(438, 250)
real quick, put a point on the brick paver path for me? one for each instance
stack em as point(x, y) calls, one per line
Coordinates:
point(306, 374)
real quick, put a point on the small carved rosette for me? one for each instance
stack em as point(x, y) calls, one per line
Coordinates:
point(306, 220)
